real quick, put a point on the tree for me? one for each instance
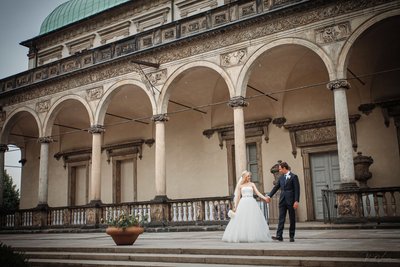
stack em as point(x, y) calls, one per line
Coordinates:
point(10, 193)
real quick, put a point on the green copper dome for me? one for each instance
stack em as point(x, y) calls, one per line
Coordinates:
point(74, 10)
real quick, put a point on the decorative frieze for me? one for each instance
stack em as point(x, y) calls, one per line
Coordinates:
point(43, 106)
point(320, 132)
point(234, 58)
point(220, 18)
point(70, 65)
point(337, 84)
point(94, 93)
point(254, 128)
point(160, 118)
point(255, 29)
point(333, 33)
point(123, 149)
point(23, 80)
point(248, 9)
point(238, 101)
point(193, 26)
point(125, 47)
point(97, 129)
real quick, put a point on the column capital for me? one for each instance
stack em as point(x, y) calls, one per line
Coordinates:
point(160, 117)
point(45, 139)
point(337, 84)
point(3, 148)
point(94, 129)
point(238, 101)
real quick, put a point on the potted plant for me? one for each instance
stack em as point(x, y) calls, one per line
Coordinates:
point(125, 229)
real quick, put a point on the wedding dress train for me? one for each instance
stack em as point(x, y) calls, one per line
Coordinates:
point(248, 224)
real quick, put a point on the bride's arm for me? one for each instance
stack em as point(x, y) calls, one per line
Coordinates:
point(257, 192)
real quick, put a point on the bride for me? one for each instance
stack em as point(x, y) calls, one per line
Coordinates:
point(247, 223)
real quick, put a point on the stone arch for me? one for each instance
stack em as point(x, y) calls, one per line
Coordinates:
point(245, 72)
point(52, 113)
point(8, 123)
point(344, 55)
point(106, 98)
point(165, 92)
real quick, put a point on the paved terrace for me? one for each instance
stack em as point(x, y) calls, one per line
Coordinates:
point(309, 236)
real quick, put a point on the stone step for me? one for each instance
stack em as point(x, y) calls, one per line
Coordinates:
point(126, 259)
point(238, 252)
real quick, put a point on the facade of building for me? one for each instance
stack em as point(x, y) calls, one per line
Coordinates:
point(159, 105)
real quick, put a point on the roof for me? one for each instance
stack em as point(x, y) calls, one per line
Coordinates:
point(75, 10)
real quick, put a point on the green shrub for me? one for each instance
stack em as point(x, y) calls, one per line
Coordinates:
point(10, 258)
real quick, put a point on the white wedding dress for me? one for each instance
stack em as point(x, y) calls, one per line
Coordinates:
point(248, 224)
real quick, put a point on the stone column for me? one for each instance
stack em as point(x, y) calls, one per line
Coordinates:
point(160, 165)
point(237, 103)
point(345, 149)
point(159, 207)
point(43, 171)
point(95, 178)
point(347, 197)
point(3, 149)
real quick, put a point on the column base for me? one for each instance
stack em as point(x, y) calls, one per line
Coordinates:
point(42, 207)
point(160, 199)
point(95, 203)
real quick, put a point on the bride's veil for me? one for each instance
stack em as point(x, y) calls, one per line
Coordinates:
point(236, 193)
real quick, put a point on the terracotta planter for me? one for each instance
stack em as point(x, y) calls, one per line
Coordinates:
point(124, 236)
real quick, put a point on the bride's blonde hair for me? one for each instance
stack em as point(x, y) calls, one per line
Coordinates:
point(244, 175)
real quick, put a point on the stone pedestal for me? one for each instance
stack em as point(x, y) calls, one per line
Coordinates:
point(348, 207)
point(159, 211)
point(39, 215)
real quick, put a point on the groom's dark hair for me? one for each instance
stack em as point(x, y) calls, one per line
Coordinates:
point(284, 165)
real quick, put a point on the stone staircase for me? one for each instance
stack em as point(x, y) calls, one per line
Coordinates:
point(136, 256)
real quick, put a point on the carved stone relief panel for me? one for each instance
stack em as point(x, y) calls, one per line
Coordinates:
point(193, 26)
point(54, 70)
point(116, 31)
point(94, 93)
point(81, 44)
point(146, 41)
point(23, 80)
point(43, 106)
point(348, 205)
point(220, 18)
point(333, 33)
point(247, 9)
point(86, 60)
point(103, 54)
point(40, 74)
point(3, 116)
point(234, 58)
point(168, 34)
point(70, 65)
point(158, 77)
point(125, 47)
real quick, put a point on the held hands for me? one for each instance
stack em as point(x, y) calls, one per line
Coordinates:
point(267, 199)
point(296, 205)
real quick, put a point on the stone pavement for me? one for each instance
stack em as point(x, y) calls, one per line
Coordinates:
point(309, 236)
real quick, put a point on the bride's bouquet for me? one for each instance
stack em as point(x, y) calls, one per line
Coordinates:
point(231, 214)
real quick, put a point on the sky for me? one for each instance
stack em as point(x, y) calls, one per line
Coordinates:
point(20, 20)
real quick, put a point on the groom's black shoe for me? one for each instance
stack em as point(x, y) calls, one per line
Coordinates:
point(279, 238)
point(292, 239)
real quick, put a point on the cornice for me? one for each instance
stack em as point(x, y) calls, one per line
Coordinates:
point(296, 14)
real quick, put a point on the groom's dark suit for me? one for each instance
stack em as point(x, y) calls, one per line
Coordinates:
point(290, 192)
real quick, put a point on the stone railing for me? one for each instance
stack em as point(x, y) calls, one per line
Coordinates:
point(217, 18)
point(198, 211)
point(374, 205)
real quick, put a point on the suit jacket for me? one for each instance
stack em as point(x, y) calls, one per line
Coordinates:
point(290, 189)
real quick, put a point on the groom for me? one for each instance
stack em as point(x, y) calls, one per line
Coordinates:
point(289, 201)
